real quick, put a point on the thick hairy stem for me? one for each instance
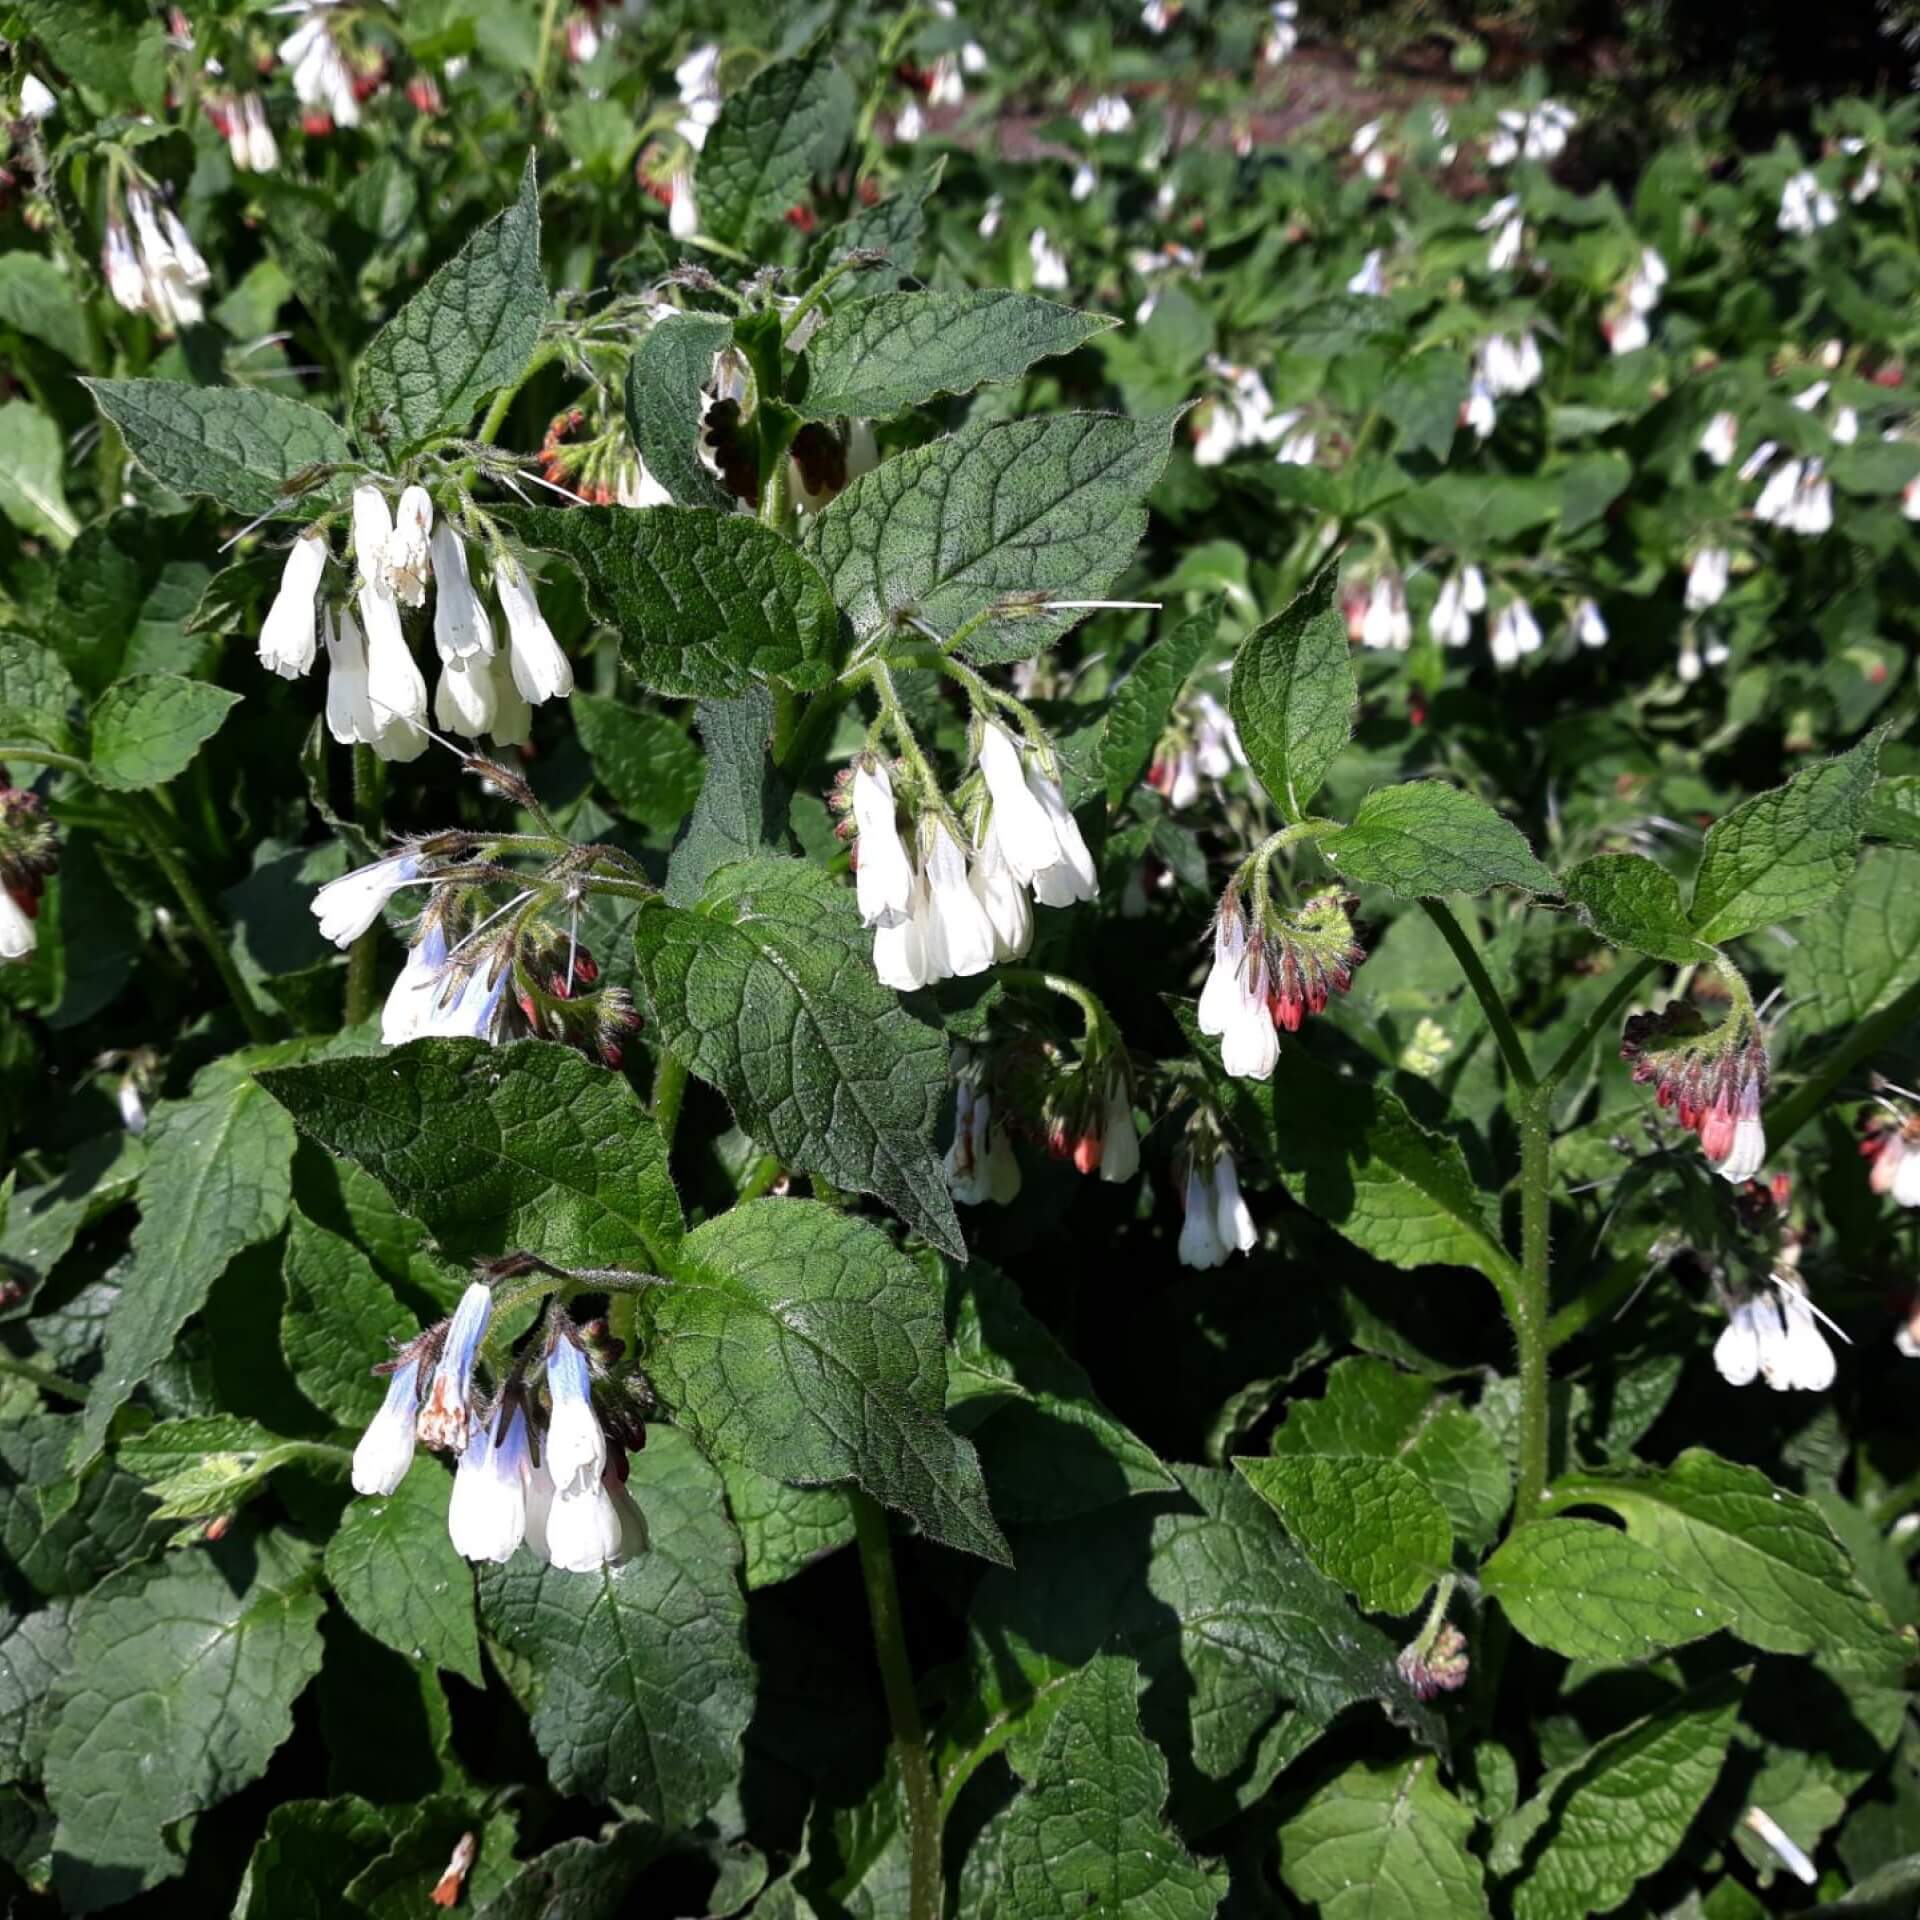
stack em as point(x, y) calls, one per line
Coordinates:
point(669, 1088)
point(1530, 1308)
point(924, 1888)
point(369, 782)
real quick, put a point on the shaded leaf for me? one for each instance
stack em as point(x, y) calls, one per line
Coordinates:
point(786, 124)
point(666, 378)
point(1292, 695)
point(148, 728)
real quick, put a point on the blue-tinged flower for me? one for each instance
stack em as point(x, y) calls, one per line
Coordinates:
point(487, 1516)
point(585, 1529)
point(412, 995)
point(443, 1420)
point(385, 1451)
point(576, 1448)
point(347, 907)
point(468, 1012)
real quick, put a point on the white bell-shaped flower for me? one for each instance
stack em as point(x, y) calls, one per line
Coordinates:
point(349, 718)
point(443, 1415)
point(883, 874)
point(487, 1514)
point(1589, 625)
point(1707, 577)
point(413, 992)
point(1119, 1137)
point(999, 891)
point(1020, 822)
point(1072, 877)
point(576, 1448)
point(1449, 624)
point(287, 642)
point(347, 907)
point(1371, 279)
point(683, 211)
point(385, 1449)
point(18, 936)
point(584, 1529)
point(959, 936)
point(1200, 1242)
point(540, 670)
point(1232, 1220)
point(463, 701)
point(1753, 1328)
point(1804, 1361)
point(461, 627)
point(900, 955)
point(466, 1008)
point(1720, 438)
point(1249, 1044)
point(408, 562)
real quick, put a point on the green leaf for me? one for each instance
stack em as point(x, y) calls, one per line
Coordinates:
point(205, 1465)
point(309, 1852)
point(1589, 486)
point(666, 377)
point(705, 603)
point(399, 1885)
point(1087, 1836)
point(1017, 511)
point(742, 808)
point(529, 1146)
point(641, 1682)
point(102, 46)
point(247, 449)
point(1365, 1522)
point(1476, 512)
point(1292, 695)
point(783, 1529)
point(1048, 1446)
point(218, 1178)
point(1742, 1546)
point(339, 1320)
point(1785, 852)
point(1351, 1152)
point(648, 766)
point(767, 992)
point(1423, 400)
point(580, 1879)
point(148, 728)
point(1631, 901)
point(1248, 1650)
point(1893, 809)
point(879, 355)
point(802, 1342)
point(469, 331)
point(1336, 323)
point(37, 299)
point(1138, 711)
point(396, 1571)
point(195, 1660)
point(894, 226)
point(1384, 1842)
point(1598, 1827)
point(1863, 952)
point(789, 122)
point(108, 1523)
point(1592, 1592)
point(35, 1650)
point(1426, 838)
point(32, 462)
point(36, 693)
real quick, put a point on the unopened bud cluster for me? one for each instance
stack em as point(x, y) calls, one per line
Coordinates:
point(541, 1461)
point(1712, 1081)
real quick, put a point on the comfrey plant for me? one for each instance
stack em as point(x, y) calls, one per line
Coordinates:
point(827, 1091)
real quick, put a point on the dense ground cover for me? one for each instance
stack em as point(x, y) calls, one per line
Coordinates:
point(946, 973)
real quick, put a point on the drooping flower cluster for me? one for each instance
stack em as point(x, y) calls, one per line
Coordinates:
point(1531, 133)
point(1502, 367)
point(1798, 496)
point(1218, 1223)
point(29, 852)
point(546, 1470)
point(1200, 743)
point(1805, 205)
point(1626, 323)
point(323, 82)
point(1507, 222)
point(376, 695)
point(1515, 633)
point(1461, 596)
point(151, 264)
point(468, 975)
point(980, 1164)
point(1273, 975)
point(698, 79)
point(1244, 417)
point(241, 121)
point(952, 907)
point(1773, 1336)
point(1283, 32)
point(1707, 576)
point(1713, 1082)
point(1049, 264)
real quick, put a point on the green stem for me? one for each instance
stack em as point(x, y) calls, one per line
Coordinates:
point(765, 1172)
point(1602, 1015)
point(1495, 1008)
point(1530, 1307)
point(151, 827)
point(812, 298)
point(369, 778)
point(925, 1893)
point(549, 14)
point(813, 725)
point(669, 1089)
point(56, 1384)
point(1870, 1036)
point(1097, 1018)
point(543, 357)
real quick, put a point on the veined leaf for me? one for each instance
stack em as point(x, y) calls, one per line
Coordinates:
point(767, 991)
point(1863, 952)
point(786, 124)
point(148, 728)
point(471, 329)
point(666, 377)
point(1631, 901)
point(32, 464)
point(880, 354)
point(1292, 695)
point(1137, 714)
point(990, 524)
point(1426, 838)
point(742, 808)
